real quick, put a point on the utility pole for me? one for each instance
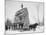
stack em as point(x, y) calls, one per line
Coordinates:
point(22, 5)
point(38, 12)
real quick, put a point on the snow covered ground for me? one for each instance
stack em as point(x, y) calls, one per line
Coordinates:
point(38, 29)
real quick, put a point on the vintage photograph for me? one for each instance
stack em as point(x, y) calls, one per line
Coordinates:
point(24, 17)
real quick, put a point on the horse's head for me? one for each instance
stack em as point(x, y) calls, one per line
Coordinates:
point(36, 24)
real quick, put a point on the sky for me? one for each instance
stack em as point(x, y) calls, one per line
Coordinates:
point(35, 9)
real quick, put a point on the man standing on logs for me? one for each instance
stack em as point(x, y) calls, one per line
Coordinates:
point(23, 17)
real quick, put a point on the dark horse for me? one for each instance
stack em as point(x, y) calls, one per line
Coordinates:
point(33, 26)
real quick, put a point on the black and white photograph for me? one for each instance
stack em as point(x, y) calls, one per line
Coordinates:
point(24, 17)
